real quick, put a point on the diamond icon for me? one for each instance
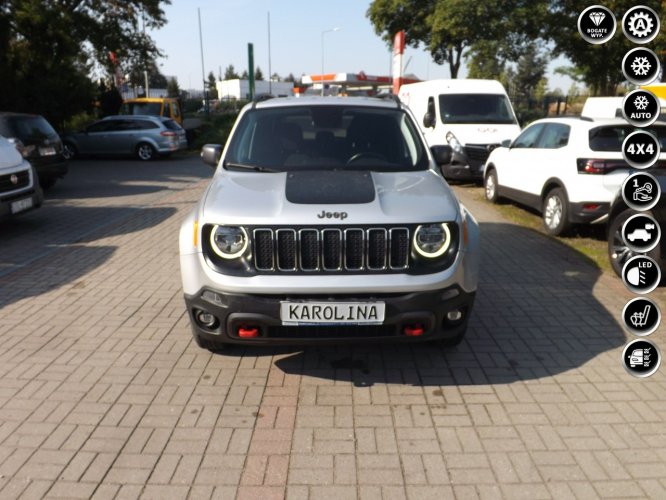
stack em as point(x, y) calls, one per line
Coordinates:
point(597, 17)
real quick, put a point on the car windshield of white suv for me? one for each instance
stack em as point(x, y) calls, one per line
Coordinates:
point(610, 138)
point(326, 137)
point(475, 108)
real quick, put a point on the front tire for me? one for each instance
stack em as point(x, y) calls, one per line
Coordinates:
point(490, 186)
point(555, 212)
point(145, 152)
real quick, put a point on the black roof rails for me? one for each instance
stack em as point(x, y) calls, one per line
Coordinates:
point(391, 96)
point(261, 98)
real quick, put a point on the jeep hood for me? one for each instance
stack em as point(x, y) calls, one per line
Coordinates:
point(343, 197)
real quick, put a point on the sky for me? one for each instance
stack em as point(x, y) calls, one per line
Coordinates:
point(227, 26)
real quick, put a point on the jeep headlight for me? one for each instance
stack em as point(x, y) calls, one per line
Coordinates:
point(229, 242)
point(454, 143)
point(432, 240)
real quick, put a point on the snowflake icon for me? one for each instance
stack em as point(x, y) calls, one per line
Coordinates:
point(640, 24)
point(641, 102)
point(641, 66)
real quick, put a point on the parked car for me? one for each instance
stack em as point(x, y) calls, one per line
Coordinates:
point(327, 220)
point(146, 137)
point(569, 169)
point(618, 251)
point(472, 116)
point(19, 185)
point(38, 142)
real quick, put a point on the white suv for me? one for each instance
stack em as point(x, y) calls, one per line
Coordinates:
point(569, 169)
point(326, 221)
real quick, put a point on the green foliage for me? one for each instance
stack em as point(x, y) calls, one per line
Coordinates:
point(599, 66)
point(173, 90)
point(483, 61)
point(230, 73)
point(258, 74)
point(51, 48)
point(212, 87)
point(449, 27)
point(214, 131)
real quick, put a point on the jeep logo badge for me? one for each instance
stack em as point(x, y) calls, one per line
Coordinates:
point(334, 215)
point(14, 179)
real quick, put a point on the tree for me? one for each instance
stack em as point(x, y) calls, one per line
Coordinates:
point(276, 78)
point(212, 86)
point(258, 74)
point(230, 73)
point(530, 70)
point(50, 48)
point(484, 61)
point(290, 78)
point(449, 27)
point(245, 75)
point(173, 90)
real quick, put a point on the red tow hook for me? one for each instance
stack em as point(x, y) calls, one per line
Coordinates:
point(248, 332)
point(413, 330)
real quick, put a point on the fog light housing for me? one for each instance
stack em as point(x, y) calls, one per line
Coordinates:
point(454, 315)
point(205, 319)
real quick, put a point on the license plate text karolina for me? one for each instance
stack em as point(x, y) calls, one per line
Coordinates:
point(294, 313)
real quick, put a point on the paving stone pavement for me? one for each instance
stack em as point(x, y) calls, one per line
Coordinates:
point(103, 393)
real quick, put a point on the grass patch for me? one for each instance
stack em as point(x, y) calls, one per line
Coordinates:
point(588, 239)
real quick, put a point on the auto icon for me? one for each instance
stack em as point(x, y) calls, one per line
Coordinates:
point(639, 234)
point(636, 358)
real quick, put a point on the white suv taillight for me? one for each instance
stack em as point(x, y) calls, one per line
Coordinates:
point(592, 166)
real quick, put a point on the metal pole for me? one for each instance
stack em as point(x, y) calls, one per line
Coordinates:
point(322, 56)
point(270, 73)
point(203, 71)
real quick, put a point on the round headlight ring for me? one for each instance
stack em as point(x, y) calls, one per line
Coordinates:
point(235, 248)
point(446, 243)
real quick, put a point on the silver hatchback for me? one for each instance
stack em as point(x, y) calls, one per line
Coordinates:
point(146, 137)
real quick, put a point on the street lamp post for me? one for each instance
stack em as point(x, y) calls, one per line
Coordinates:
point(322, 56)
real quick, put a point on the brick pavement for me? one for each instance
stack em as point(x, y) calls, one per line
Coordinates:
point(103, 394)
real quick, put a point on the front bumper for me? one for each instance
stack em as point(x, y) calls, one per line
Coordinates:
point(462, 167)
point(588, 212)
point(36, 195)
point(404, 312)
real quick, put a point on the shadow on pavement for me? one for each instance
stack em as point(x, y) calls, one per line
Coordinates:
point(535, 316)
point(91, 178)
point(37, 255)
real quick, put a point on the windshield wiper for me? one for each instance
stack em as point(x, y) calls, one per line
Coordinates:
point(244, 166)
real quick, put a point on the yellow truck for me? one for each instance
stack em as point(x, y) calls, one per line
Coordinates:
point(156, 106)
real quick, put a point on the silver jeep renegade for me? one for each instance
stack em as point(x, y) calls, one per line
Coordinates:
point(327, 220)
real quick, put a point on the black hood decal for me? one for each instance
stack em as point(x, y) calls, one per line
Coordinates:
point(329, 187)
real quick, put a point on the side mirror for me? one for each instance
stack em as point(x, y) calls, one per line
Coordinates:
point(442, 154)
point(429, 119)
point(506, 143)
point(211, 153)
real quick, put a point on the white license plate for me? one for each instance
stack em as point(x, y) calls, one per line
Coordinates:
point(49, 151)
point(21, 205)
point(331, 313)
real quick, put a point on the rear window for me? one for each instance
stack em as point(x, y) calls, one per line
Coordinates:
point(610, 138)
point(172, 125)
point(29, 128)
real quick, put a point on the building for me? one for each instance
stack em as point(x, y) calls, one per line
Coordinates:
point(240, 89)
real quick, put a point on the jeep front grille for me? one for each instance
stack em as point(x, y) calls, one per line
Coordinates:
point(12, 182)
point(331, 249)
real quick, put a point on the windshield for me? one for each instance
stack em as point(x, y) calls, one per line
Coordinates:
point(142, 108)
point(475, 108)
point(326, 137)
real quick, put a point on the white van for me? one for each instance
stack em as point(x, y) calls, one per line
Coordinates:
point(472, 116)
